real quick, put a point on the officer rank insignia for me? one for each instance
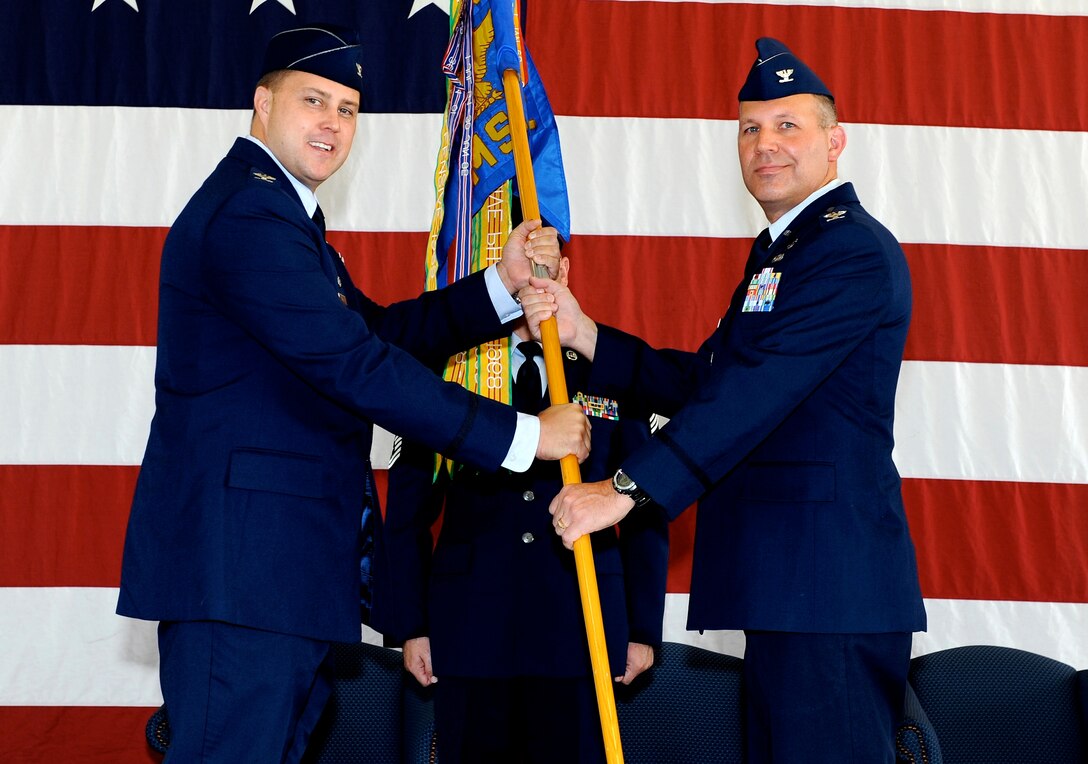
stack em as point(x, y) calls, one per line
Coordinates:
point(761, 292)
point(594, 405)
point(834, 214)
point(265, 177)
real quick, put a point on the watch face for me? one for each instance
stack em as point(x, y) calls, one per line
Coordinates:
point(623, 482)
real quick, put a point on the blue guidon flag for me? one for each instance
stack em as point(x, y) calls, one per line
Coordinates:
point(476, 156)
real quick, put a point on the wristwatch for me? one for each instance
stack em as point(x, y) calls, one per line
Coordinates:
point(625, 486)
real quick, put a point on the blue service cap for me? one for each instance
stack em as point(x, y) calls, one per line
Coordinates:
point(778, 73)
point(328, 51)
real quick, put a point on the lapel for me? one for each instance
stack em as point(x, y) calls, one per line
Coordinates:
point(262, 166)
point(760, 256)
point(807, 221)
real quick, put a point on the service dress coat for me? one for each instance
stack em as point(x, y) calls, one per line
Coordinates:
point(498, 596)
point(271, 369)
point(782, 430)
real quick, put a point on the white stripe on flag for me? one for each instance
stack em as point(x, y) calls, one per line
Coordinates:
point(923, 182)
point(67, 647)
point(992, 422)
point(92, 404)
point(1038, 627)
point(86, 404)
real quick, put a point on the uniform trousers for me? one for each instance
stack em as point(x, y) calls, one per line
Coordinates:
point(824, 698)
point(235, 694)
point(517, 720)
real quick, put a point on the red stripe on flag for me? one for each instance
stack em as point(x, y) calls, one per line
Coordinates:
point(63, 525)
point(670, 291)
point(681, 549)
point(998, 305)
point(623, 59)
point(999, 540)
point(975, 540)
point(84, 734)
point(971, 304)
point(79, 285)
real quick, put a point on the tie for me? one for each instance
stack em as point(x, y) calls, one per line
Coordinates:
point(366, 544)
point(319, 221)
point(528, 390)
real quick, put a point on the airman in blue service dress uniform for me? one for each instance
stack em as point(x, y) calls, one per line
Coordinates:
point(782, 430)
point(244, 538)
point(493, 616)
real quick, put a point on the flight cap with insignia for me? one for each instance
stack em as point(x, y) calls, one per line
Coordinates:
point(328, 51)
point(778, 73)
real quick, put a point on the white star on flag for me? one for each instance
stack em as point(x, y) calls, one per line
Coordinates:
point(418, 5)
point(130, 3)
point(288, 4)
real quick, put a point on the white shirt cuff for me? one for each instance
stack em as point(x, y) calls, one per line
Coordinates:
point(523, 448)
point(505, 306)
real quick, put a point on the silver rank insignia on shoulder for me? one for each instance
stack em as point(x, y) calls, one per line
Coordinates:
point(571, 355)
point(265, 177)
point(343, 299)
point(595, 405)
point(834, 214)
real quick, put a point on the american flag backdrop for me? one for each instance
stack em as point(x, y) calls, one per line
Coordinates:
point(967, 127)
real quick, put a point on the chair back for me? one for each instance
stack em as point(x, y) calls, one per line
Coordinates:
point(685, 710)
point(999, 704)
point(374, 715)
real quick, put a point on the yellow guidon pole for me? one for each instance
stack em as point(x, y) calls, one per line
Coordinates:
point(572, 475)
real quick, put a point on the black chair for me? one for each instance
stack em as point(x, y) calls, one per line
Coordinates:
point(684, 710)
point(983, 704)
point(378, 714)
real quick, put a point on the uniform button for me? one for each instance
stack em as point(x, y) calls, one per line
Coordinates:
point(527, 538)
point(528, 496)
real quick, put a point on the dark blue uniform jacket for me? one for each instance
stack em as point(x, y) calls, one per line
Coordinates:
point(267, 383)
point(782, 429)
point(499, 595)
